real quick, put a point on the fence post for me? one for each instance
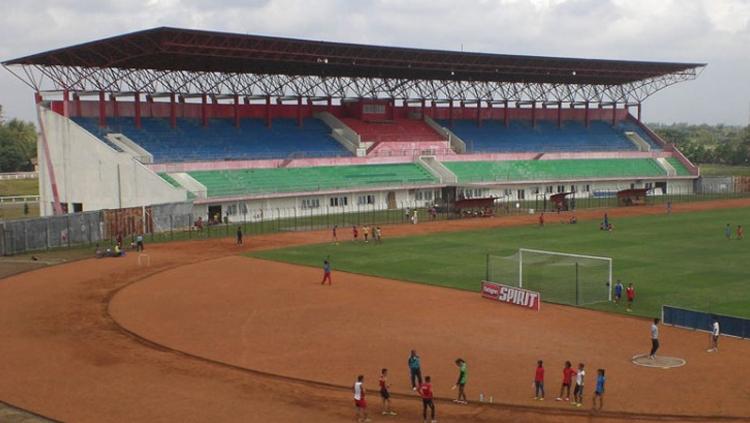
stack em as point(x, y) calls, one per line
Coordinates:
point(46, 234)
point(67, 228)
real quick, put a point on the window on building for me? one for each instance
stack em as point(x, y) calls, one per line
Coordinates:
point(587, 188)
point(632, 186)
point(373, 109)
point(310, 203)
point(536, 190)
point(549, 189)
point(365, 199)
point(339, 201)
point(243, 208)
point(572, 188)
point(649, 185)
point(232, 209)
point(521, 194)
point(508, 192)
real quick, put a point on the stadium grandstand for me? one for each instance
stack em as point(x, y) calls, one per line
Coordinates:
point(236, 122)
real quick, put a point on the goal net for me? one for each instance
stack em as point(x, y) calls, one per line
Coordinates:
point(564, 278)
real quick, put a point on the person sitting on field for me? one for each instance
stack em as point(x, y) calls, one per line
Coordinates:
point(117, 252)
point(573, 220)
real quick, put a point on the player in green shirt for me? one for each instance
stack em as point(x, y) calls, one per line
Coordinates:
point(461, 383)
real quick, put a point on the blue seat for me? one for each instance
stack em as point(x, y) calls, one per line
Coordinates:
point(221, 140)
point(520, 136)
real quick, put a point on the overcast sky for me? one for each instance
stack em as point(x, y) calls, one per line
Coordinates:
point(716, 32)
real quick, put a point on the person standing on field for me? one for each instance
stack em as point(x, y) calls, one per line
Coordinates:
point(714, 336)
point(415, 369)
point(599, 391)
point(239, 235)
point(630, 291)
point(541, 220)
point(740, 232)
point(578, 391)
point(360, 403)
point(461, 382)
point(385, 393)
point(139, 243)
point(425, 392)
point(326, 272)
point(539, 381)
point(728, 231)
point(654, 339)
point(618, 292)
point(568, 374)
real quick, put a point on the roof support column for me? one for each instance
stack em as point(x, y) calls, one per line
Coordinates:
point(137, 104)
point(268, 111)
point(236, 110)
point(421, 111)
point(172, 112)
point(533, 114)
point(638, 108)
point(299, 111)
point(450, 112)
point(433, 107)
point(463, 110)
point(115, 106)
point(505, 113)
point(150, 102)
point(66, 103)
point(102, 110)
point(329, 104)
point(586, 115)
point(559, 114)
point(204, 110)
point(614, 113)
point(479, 112)
point(77, 102)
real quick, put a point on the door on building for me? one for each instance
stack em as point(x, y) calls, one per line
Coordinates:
point(214, 214)
point(662, 185)
point(391, 200)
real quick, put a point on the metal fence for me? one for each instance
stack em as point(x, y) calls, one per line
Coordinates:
point(165, 222)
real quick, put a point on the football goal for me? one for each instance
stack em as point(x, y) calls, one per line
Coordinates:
point(564, 278)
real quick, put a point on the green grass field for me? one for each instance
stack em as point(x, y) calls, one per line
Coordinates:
point(682, 259)
point(711, 169)
point(18, 187)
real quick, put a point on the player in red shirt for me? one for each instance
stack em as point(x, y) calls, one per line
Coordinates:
point(539, 381)
point(385, 393)
point(541, 219)
point(355, 232)
point(630, 293)
point(568, 374)
point(425, 391)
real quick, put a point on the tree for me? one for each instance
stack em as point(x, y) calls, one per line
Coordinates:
point(17, 144)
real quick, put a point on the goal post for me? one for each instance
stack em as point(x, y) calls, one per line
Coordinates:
point(566, 278)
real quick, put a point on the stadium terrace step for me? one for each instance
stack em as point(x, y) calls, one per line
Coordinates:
point(531, 170)
point(493, 137)
point(278, 180)
point(221, 140)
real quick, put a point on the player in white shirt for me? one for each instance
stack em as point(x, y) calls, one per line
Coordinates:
point(359, 399)
point(578, 390)
point(654, 339)
point(714, 336)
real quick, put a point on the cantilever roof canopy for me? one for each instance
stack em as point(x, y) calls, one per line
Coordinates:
point(174, 49)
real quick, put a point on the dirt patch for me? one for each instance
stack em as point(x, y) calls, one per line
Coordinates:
point(65, 358)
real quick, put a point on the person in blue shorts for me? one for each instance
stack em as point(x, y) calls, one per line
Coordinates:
point(618, 292)
point(728, 231)
point(599, 392)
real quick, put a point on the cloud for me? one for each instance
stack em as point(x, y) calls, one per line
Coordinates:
point(712, 31)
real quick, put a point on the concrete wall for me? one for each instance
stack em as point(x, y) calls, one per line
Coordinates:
point(90, 172)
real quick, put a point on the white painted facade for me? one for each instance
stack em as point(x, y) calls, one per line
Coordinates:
point(93, 174)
